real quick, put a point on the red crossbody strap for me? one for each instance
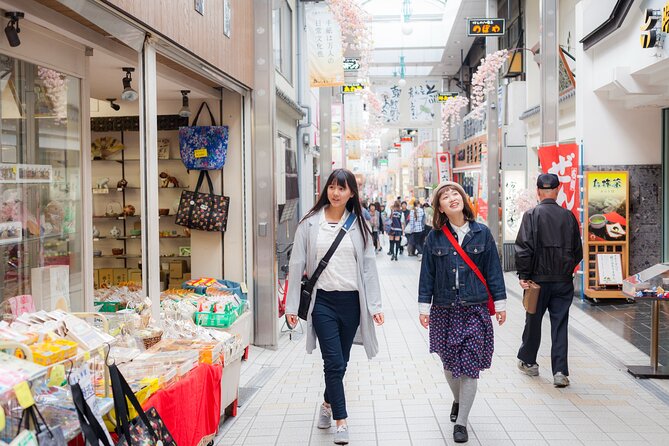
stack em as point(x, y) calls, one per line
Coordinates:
point(466, 258)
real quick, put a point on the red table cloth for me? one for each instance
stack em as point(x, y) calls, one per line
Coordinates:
point(191, 408)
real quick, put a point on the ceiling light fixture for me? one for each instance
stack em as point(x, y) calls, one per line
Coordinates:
point(128, 93)
point(402, 82)
point(12, 29)
point(113, 105)
point(185, 109)
point(407, 29)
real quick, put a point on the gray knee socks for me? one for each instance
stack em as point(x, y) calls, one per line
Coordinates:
point(464, 392)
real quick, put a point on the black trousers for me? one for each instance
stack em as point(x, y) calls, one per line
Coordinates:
point(556, 297)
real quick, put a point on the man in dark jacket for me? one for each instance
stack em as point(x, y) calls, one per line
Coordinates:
point(548, 249)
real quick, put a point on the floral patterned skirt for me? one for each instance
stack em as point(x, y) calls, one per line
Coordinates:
point(463, 338)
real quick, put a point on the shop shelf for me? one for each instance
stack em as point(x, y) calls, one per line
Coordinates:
point(117, 257)
point(130, 237)
point(118, 217)
point(108, 307)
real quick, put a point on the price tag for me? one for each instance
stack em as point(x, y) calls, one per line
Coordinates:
point(23, 394)
point(200, 153)
point(57, 376)
point(242, 285)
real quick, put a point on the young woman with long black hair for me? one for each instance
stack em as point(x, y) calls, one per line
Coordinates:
point(347, 295)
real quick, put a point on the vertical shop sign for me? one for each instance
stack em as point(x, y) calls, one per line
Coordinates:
point(563, 161)
point(390, 104)
point(353, 117)
point(353, 150)
point(482, 202)
point(444, 166)
point(336, 145)
point(324, 47)
point(607, 206)
point(421, 101)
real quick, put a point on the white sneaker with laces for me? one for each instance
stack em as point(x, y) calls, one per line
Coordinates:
point(341, 436)
point(325, 418)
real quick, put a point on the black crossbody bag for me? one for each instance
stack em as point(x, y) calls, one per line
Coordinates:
point(308, 283)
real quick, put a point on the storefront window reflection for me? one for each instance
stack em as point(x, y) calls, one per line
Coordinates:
point(40, 207)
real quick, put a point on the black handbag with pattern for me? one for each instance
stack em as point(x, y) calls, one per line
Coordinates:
point(206, 212)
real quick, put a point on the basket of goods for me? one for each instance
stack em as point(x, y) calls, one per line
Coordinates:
point(149, 337)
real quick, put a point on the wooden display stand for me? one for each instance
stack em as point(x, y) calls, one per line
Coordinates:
point(606, 249)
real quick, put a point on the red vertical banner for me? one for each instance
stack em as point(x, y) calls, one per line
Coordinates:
point(444, 166)
point(563, 161)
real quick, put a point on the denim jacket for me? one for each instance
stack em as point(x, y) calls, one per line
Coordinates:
point(440, 260)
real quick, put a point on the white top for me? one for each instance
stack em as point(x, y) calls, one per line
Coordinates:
point(461, 231)
point(341, 274)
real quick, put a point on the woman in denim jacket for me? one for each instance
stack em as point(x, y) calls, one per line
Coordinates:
point(453, 301)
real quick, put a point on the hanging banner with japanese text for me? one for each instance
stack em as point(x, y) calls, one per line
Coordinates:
point(354, 120)
point(444, 166)
point(324, 47)
point(563, 161)
point(422, 98)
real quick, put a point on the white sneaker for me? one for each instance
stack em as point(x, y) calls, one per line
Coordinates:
point(341, 436)
point(325, 418)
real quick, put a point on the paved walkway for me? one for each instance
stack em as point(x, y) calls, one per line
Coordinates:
point(401, 397)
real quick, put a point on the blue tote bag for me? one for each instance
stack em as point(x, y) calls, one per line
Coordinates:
point(203, 147)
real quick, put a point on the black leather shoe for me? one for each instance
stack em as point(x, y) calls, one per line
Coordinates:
point(454, 412)
point(460, 434)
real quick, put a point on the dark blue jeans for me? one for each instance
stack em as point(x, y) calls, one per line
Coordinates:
point(556, 297)
point(336, 317)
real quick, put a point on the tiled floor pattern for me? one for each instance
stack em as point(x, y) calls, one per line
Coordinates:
point(401, 397)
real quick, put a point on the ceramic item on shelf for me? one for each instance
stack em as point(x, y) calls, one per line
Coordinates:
point(166, 180)
point(184, 251)
point(113, 209)
point(129, 210)
point(135, 232)
point(122, 183)
point(96, 232)
point(163, 148)
point(115, 232)
point(117, 251)
point(103, 183)
point(163, 211)
point(105, 146)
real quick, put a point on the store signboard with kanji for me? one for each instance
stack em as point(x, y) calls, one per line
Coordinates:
point(563, 161)
point(606, 212)
point(351, 64)
point(352, 88)
point(324, 47)
point(444, 166)
point(446, 95)
point(486, 27)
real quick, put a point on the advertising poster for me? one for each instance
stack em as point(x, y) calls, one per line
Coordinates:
point(353, 118)
point(563, 161)
point(606, 212)
point(324, 47)
point(444, 166)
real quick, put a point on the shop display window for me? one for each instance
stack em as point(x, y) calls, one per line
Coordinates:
point(40, 176)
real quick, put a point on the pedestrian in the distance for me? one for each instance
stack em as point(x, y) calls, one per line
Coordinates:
point(380, 211)
point(548, 249)
point(396, 230)
point(453, 300)
point(347, 295)
point(374, 225)
point(405, 220)
point(417, 224)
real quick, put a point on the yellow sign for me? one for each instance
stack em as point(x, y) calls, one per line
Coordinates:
point(352, 88)
point(57, 376)
point(23, 395)
point(2, 419)
point(649, 36)
point(443, 97)
point(200, 153)
point(665, 18)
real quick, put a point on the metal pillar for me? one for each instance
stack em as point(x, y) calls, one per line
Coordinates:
point(264, 194)
point(493, 160)
point(148, 155)
point(548, 70)
point(325, 132)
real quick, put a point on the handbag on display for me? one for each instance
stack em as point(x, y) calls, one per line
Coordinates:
point(46, 435)
point(472, 266)
point(531, 297)
point(93, 432)
point(206, 212)
point(308, 283)
point(203, 147)
point(147, 429)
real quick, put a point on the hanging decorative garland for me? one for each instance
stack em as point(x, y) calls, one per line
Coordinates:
point(450, 114)
point(485, 79)
point(355, 30)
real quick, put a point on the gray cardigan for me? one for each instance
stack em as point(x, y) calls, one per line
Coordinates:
point(304, 258)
